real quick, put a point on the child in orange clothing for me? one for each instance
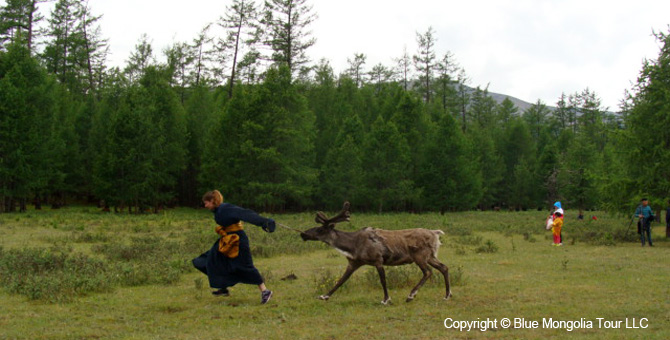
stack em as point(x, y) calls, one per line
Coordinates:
point(557, 226)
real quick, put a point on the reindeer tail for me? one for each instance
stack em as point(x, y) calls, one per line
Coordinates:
point(437, 243)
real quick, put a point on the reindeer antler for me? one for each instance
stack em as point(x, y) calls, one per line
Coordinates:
point(321, 217)
point(342, 216)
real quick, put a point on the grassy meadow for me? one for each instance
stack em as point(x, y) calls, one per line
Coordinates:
point(78, 273)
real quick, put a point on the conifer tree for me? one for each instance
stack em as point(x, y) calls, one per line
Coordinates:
point(450, 179)
point(18, 22)
point(342, 170)
point(241, 23)
point(262, 149)
point(387, 172)
point(425, 62)
point(647, 138)
point(287, 26)
point(26, 107)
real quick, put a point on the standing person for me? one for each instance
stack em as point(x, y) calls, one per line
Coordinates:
point(557, 207)
point(667, 220)
point(557, 226)
point(229, 260)
point(646, 216)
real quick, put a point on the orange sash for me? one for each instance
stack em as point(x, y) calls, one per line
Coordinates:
point(229, 244)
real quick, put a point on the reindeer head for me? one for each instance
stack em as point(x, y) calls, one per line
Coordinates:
point(327, 224)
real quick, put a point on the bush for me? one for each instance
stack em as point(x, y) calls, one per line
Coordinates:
point(54, 275)
point(472, 240)
point(488, 247)
point(457, 277)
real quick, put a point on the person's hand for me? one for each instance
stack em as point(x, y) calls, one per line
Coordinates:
point(269, 226)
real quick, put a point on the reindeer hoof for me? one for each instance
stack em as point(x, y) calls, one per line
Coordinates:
point(324, 297)
point(409, 299)
point(386, 302)
point(448, 296)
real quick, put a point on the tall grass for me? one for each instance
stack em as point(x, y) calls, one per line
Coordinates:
point(59, 255)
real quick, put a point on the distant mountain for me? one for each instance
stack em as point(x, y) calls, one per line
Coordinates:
point(522, 105)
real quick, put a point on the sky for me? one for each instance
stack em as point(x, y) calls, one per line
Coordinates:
point(529, 49)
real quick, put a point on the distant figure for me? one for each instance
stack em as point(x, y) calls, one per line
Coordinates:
point(667, 220)
point(557, 207)
point(581, 215)
point(557, 226)
point(646, 216)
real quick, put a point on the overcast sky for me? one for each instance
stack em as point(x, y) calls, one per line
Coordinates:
point(529, 49)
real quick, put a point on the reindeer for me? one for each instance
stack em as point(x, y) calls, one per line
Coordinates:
point(377, 247)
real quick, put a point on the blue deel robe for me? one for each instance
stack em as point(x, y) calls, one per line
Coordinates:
point(225, 272)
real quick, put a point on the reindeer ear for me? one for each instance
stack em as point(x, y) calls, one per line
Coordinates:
point(320, 218)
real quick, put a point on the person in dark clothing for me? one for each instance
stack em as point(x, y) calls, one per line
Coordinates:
point(229, 260)
point(667, 220)
point(646, 216)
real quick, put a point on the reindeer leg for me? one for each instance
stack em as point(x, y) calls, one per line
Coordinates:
point(351, 268)
point(382, 278)
point(445, 272)
point(426, 274)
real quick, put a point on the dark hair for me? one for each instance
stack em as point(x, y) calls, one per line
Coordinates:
point(644, 199)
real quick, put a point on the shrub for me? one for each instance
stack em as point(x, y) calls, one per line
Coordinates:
point(54, 275)
point(457, 277)
point(472, 240)
point(488, 247)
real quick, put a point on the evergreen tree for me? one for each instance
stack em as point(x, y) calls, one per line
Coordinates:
point(410, 118)
point(26, 108)
point(451, 178)
point(505, 111)
point(200, 116)
point(355, 70)
point(482, 109)
point(66, 154)
point(342, 171)
point(242, 30)
point(379, 76)
point(536, 118)
point(141, 58)
point(446, 91)
point(327, 109)
point(403, 68)
point(577, 173)
point(560, 116)
point(425, 62)
point(463, 98)
point(647, 137)
point(518, 152)
point(286, 23)
point(76, 52)
point(18, 22)
point(491, 164)
point(142, 150)
point(180, 57)
point(387, 172)
point(262, 149)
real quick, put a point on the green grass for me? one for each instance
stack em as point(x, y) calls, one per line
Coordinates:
point(502, 266)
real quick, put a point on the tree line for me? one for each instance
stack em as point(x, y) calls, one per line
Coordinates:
point(242, 109)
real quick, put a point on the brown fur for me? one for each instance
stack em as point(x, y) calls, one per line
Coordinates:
point(378, 247)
